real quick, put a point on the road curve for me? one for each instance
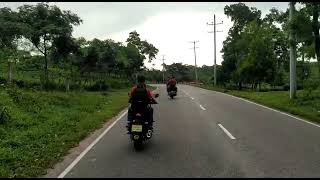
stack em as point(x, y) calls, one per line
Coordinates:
point(203, 133)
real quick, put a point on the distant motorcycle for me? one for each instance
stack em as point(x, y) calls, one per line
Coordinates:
point(140, 128)
point(172, 91)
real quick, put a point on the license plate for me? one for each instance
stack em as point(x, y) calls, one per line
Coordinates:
point(136, 128)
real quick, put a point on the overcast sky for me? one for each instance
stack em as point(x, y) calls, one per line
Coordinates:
point(169, 26)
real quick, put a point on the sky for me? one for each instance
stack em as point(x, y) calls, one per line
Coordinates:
point(169, 26)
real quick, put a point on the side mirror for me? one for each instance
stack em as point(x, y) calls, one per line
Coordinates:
point(156, 95)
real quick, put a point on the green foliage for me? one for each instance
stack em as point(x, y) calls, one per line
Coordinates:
point(37, 128)
point(257, 50)
point(67, 61)
point(143, 46)
point(34, 139)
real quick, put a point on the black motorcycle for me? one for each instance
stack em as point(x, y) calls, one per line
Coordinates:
point(141, 131)
point(172, 91)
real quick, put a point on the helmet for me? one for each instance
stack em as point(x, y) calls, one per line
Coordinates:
point(141, 79)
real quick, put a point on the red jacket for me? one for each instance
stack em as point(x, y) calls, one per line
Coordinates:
point(149, 93)
point(172, 82)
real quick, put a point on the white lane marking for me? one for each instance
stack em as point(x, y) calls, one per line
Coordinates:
point(195, 102)
point(202, 107)
point(185, 92)
point(226, 131)
point(299, 119)
point(68, 169)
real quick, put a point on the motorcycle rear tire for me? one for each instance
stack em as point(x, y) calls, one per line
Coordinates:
point(137, 144)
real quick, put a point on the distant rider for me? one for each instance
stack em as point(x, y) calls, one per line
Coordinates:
point(172, 84)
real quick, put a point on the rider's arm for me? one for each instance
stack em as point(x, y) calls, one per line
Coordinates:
point(149, 93)
point(131, 93)
point(132, 90)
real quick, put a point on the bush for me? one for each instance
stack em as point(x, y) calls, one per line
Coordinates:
point(100, 85)
point(3, 81)
point(286, 87)
point(4, 115)
point(26, 84)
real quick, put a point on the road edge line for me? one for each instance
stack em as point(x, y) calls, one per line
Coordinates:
point(281, 112)
point(83, 153)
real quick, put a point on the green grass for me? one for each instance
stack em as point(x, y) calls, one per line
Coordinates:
point(304, 107)
point(43, 126)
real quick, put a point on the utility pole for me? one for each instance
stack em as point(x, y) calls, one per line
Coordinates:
point(293, 85)
point(163, 69)
point(215, 56)
point(195, 59)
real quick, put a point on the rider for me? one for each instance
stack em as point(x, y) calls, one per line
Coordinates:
point(140, 98)
point(171, 83)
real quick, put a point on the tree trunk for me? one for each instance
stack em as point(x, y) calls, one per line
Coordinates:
point(46, 66)
point(240, 86)
point(303, 67)
point(9, 72)
point(67, 84)
point(259, 86)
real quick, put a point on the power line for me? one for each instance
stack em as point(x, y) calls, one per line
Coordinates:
point(215, 56)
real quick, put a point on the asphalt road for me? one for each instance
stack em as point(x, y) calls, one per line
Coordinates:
point(203, 133)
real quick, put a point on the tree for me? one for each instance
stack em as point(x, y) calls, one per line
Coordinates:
point(180, 71)
point(64, 53)
point(44, 25)
point(143, 46)
point(258, 63)
point(313, 10)
point(233, 50)
point(10, 33)
point(10, 29)
point(135, 59)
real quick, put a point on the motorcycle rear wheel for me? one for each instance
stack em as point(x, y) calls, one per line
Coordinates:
point(137, 144)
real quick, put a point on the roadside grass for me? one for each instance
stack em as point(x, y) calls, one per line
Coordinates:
point(307, 107)
point(38, 128)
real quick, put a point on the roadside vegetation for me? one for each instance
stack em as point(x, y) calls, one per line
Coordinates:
point(56, 89)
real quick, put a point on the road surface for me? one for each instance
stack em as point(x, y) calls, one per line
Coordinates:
point(204, 133)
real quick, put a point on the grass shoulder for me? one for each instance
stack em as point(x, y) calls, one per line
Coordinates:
point(38, 128)
point(305, 107)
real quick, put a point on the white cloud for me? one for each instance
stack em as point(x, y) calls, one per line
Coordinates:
point(172, 32)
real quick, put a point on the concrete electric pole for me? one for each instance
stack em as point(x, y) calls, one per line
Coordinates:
point(163, 69)
point(195, 59)
point(292, 42)
point(215, 56)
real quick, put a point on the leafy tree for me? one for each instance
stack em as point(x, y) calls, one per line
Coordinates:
point(143, 46)
point(44, 25)
point(233, 50)
point(312, 9)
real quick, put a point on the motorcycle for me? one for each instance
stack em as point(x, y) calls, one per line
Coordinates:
point(172, 92)
point(140, 128)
